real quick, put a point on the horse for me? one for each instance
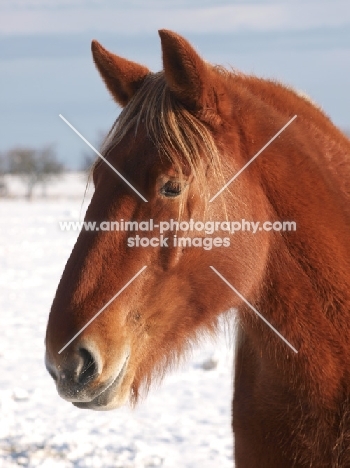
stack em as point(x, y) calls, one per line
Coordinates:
point(123, 313)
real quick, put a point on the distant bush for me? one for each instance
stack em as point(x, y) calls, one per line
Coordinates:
point(33, 166)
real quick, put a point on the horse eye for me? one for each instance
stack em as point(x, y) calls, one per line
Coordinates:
point(171, 189)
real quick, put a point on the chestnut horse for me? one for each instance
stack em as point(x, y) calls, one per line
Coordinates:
point(182, 133)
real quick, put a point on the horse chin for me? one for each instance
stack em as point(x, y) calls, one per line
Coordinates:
point(115, 402)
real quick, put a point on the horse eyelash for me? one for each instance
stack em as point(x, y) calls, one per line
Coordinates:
point(168, 189)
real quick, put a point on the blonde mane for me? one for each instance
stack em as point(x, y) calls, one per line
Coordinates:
point(176, 133)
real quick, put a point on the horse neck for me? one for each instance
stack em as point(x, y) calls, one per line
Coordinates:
point(298, 190)
point(305, 293)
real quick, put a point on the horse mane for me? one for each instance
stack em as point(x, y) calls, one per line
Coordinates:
point(177, 134)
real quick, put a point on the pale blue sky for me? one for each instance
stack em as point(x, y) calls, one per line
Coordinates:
point(46, 67)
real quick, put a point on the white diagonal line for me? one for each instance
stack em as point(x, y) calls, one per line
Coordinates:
point(103, 158)
point(253, 309)
point(103, 308)
point(251, 160)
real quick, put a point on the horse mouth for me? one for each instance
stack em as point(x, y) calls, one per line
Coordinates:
point(107, 400)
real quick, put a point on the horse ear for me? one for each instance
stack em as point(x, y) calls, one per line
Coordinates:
point(122, 77)
point(186, 73)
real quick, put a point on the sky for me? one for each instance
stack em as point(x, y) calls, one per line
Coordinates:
point(46, 67)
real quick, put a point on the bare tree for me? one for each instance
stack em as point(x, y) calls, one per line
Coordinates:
point(34, 166)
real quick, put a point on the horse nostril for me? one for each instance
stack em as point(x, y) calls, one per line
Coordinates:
point(89, 369)
point(76, 370)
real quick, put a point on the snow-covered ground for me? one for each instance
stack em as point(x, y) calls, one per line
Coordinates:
point(184, 423)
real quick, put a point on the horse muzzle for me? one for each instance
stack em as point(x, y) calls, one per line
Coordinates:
point(81, 379)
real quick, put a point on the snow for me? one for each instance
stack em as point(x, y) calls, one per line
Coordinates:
point(183, 423)
point(70, 185)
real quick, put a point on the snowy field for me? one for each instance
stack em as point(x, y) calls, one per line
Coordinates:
point(184, 423)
